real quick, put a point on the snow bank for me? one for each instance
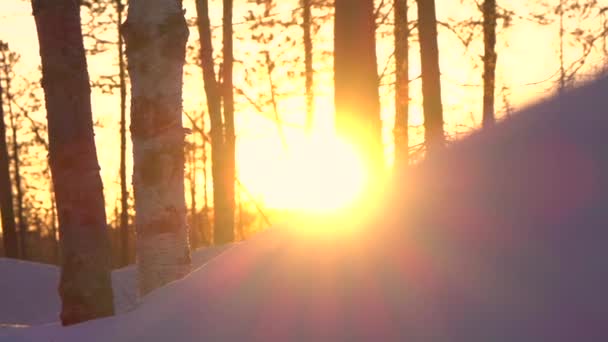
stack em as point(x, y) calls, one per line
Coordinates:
point(501, 238)
point(29, 290)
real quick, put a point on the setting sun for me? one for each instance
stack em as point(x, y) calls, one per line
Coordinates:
point(319, 174)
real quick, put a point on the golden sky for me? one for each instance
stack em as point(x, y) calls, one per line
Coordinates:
point(527, 54)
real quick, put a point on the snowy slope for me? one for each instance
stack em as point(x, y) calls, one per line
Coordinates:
point(29, 290)
point(502, 238)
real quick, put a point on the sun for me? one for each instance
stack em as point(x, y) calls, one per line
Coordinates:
point(317, 174)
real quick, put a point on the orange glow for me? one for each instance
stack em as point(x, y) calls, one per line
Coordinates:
point(317, 174)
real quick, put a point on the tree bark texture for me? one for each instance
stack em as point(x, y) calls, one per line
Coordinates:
point(155, 34)
point(356, 78)
point(85, 285)
point(431, 76)
point(489, 61)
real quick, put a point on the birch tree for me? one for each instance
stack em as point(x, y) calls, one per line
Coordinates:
point(155, 34)
point(85, 286)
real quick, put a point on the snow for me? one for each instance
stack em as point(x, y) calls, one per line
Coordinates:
point(31, 289)
point(501, 238)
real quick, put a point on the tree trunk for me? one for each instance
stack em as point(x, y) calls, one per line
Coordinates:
point(194, 227)
point(431, 76)
point(356, 78)
point(9, 232)
point(85, 285)
point(221, 208)
point(225, 234)
point(22, 225)
point(309, 72)
point(489, 61)
point(124, 194)
point(155, 34)
point(401, 85)
point(19, 192)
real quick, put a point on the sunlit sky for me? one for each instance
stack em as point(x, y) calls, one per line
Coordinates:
point(290, 177)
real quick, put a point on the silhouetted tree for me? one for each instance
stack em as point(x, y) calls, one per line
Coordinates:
point(85, 285)
point(8, 60)
point(226, 234)
point(431, 77)
point(9, 232)
point(401, 84)
point(309, 72)
point(356, 78)
point(108, 15)
point(155, 35)
point(223, 215)
point(489, 61)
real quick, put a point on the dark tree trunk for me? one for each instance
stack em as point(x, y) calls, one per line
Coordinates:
point(431, 76)
point(401, 85)
point(9, 232)
point(17, 177)
point(489, 61)
point(194, 226)
point(85, 285)
point(309, 73)
point(221, 208)
point(356, 78)
point(124, 194)
point(225, 234)
point(22, 224)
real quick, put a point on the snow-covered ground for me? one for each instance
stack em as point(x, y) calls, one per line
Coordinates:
point(31, 289)
point(501, 238)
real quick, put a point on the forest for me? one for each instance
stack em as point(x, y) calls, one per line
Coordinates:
point(328, 169)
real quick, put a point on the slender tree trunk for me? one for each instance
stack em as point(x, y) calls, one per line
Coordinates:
point(401, 85)
point(155, 34)
point(205, 219)
point(194, 227)
point(309, 72)
point(225, 234)
point(431, 76)
point(124, 194)
point(489, 61)
point(221, 208)
point(16, 165)
point(56, 251)
point(85, 285)
point(356, 78)
point(562, 70)
point(9, 232)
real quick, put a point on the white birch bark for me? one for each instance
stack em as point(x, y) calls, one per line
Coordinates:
point(155, 35)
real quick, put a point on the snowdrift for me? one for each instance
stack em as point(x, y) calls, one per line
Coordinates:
point(501, 238)
point(30, 289)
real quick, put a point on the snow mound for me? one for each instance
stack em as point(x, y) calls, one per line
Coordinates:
point(501, 238)
point(30, 289)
